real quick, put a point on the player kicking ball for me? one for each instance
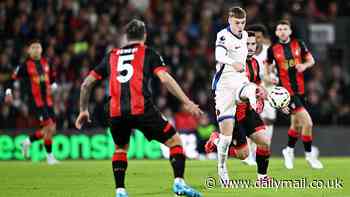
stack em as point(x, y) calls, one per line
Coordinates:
point(129, 70)
point(249, 124)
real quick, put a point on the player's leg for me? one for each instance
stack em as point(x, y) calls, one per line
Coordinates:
point(155, 127)
point(293, 134)
point(49, 129)
point(256, 130)
point(262, 152)
point(121, 132)
point(311, 156)
point(225, 110)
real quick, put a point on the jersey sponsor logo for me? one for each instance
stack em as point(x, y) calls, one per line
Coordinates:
point(289, 63)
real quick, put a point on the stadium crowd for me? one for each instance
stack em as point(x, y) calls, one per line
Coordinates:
point(77, 34)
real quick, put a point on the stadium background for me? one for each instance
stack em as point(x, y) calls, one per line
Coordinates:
point(76, 35)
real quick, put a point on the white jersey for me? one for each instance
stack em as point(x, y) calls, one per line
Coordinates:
point(269, 112)
point(261, 58)
point(235, 48)
point(227, 81)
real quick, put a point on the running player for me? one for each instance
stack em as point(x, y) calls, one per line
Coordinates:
point(249, 124)
point(36, 77)
point(292, 58)
point(129, 70)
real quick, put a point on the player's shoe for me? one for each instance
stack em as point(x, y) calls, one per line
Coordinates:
point(249, 161)
point(312, 158)
point(121, 192)
point(288, 155)
point(51, 160)
point(25, 148)
point(181, 189)
point(224, 178)
point(210, 145)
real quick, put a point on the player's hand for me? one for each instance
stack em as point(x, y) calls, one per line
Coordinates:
point(193, 108)
point(285, 110)
point(83, 117)
point(300, 67)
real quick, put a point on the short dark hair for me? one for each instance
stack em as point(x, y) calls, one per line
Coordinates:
point(251, 34)
point(284, 22)
point(258, 28)
point(32, 41)
point(135, 30)
point(237, 12)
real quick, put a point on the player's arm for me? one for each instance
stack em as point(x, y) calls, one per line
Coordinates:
point(99, 73)
point(173, 87)
point(85, 92)
point(222, 55)
point(17, 75)
point(309, 60)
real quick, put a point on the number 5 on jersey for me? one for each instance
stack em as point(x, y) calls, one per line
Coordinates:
point(125, 69)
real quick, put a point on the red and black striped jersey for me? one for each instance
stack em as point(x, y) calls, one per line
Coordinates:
point(253, 73)
point(129, 70)
point(286, 56)
point(36, 75)
point(253, 70)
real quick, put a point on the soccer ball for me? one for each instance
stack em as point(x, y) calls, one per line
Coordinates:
point(278, 97)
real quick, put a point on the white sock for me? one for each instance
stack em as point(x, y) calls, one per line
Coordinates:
point(179, 180)
point(223, 144)
point(307, 154)
point(50, 155)
point(27, 141)
point(120, 189)
point(252, 149)
point(289, 149)
point(269, 131)
point(261, 176)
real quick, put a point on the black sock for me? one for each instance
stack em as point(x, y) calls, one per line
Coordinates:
point(262, 160)
point(177, 160)
point(307, 141)
point(119, 166)
point(35, 136)
point(292, 138)
point(48, 145)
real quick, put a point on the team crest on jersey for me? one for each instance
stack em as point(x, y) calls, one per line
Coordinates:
point(222, 40)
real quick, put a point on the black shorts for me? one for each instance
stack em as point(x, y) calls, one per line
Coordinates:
point(152, 124)
point(297, 102)
point(250, 124)
point(44, 115)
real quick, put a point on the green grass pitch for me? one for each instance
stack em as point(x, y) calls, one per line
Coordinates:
point(154, 178)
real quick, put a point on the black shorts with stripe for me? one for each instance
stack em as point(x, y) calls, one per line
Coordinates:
point(152, 124)
point(297, 102)
point(250, 124)
point(44, 115)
